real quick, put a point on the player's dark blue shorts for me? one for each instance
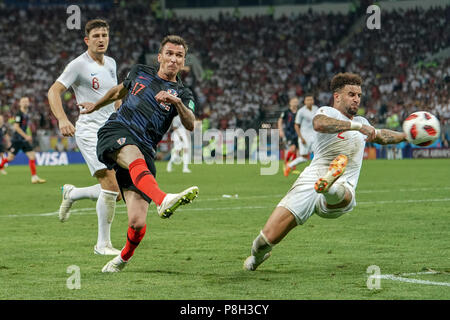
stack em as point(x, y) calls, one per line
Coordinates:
point(112, 137)
point(17, 145)
point(292, 140)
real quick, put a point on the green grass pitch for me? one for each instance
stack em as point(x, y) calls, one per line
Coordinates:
point(401, 225)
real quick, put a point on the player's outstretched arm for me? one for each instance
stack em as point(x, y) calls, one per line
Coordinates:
point(113, 94)
point(54, 99)
point(324, 124)
point(386, 136)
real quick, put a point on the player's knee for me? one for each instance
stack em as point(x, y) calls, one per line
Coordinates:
point(136, 223)
point(332, 212)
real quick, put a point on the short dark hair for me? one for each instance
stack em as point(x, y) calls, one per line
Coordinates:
point(340, 80)
point(95, 23)
point(173, 39)
point(309, 94)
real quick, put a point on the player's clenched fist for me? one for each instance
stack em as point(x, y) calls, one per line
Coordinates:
point(86, 107)
point(66, 128)
point(165, 97)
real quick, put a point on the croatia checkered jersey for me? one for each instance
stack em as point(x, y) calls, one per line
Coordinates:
point(90, 81)
point(3, 132)
point(22, 119)
point(144, 117)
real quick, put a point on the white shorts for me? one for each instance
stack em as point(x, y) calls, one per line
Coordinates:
point(87, 143)
point(304, 149)
point(180, 139)
point(303, 201)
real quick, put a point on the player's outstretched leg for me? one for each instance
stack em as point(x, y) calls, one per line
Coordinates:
point(144, 180)
point(172, 201)
point(261, 251)
point(66, 202)
point(70, 194)
point(336, 169)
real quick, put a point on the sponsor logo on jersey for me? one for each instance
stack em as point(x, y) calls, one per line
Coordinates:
point(121, 141)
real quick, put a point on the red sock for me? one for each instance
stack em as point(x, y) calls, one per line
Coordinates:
point(143, 180)
point(4, 161)
point(32, 164)
point(289, 155)
point(134, 237)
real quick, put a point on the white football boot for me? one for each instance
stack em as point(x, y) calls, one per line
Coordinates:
point(35, 179)
point(173, 200)
point(251, 263)
point(108, 250)
point(115, 265)
point(66, 203)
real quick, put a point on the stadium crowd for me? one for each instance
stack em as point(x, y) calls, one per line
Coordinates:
point(252, 65)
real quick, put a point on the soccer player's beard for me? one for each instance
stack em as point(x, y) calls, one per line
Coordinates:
point(351, 111)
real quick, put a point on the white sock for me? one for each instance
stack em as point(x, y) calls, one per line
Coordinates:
point(261, 246)
point(91, 192)
point(174, 157)
point(335, 194)
point(106, 207)
point(296, 161)
point(186, 158)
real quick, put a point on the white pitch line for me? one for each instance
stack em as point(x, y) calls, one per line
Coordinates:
point(415, 281)
point(92, 210)
point(403, 201)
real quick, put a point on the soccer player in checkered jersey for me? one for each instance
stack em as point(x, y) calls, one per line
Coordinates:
point(286, 123)
point(305, 132)
point(327, 186)
point(90, 75)
point(22, 141)
point(3, 135)
point(153, 97)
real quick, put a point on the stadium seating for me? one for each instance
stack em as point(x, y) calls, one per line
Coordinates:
point(252, 64)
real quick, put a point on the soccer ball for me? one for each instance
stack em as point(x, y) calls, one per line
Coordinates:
point(421, 128)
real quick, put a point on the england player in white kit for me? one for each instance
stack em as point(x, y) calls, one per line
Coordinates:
point(305, 132)
point(181, 144)
point(327, 186)
point(90, 75)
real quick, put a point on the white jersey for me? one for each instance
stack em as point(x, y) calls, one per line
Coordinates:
point(328, 146)
point(176, 123)
point(304, 120)
point(180, 135)
point(90, 81)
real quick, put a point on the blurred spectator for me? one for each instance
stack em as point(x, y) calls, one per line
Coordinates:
point(252, 65)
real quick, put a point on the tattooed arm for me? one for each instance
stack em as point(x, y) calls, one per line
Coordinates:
point(385, 136)
point(326, 124)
